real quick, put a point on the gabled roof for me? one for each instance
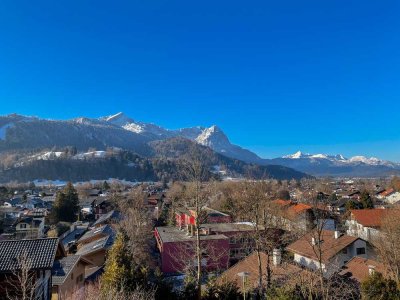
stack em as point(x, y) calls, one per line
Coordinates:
point(290, 209)
point(40, 253)
point(369, 217)
point(281, 273)
point(97, 232)
point(101, 244)
point(386, 192)
point(108, 216)
point(358, 268)
point(330, 246)
point(63, 267)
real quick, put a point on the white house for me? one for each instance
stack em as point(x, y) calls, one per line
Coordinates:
point(329, 250)
point(365, 223)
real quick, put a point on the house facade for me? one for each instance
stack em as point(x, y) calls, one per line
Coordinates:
point(36, 257)
point(328, 251)
point(222, 244)
point(365, 223)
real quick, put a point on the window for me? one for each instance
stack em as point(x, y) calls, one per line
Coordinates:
point(360, 251)
point(232, 240)
point(72, 276)
point(344, 251)
point(22, 225)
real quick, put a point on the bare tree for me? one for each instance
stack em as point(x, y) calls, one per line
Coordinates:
point(93, 291)
point(387, 243)
point(198, 193)
point(23, 283)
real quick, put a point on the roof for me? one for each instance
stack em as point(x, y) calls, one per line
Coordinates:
point(358, 268)
point(40, 253)
point(73, 235)
point(99, 232)
point(329, 245)
point(291, 209)
point(170, 234)
point(386, 192)
point(108, 216)
point(280, 273)
point(62, 268)
point(101, 244)
point(369, 217)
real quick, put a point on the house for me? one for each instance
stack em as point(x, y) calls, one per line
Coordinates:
point(95, 234)
point(69, 239)
point(101, 207)
point(365, 223)
point(37, 257)
point(330, 250)
point(282, 272)
point(68, 276)
point(359, 268)
point(223, 244)
point(385, 193)
point(186, 216)
point(392, 198)
point(293, 216)
point(29, 228)
point(96, 251)
point(111, 217)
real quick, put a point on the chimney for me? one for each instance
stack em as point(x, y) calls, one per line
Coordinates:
point(313, 241)
point(276, 257)
point(371, 270)
point(337, 234)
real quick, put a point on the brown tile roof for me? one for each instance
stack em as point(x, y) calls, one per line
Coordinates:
point(358, 268)
point(369, 217)
point(281, 273)
point(329, 245)
point(387, 192)
point(291, 210)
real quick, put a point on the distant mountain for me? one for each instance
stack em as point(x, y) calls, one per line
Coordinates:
point(31, 141)
point(338, 165)
point(22, 133)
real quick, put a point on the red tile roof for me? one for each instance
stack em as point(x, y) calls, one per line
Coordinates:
point(369, 217)
point(358, 268)
point(280, 273)
point(387, 192)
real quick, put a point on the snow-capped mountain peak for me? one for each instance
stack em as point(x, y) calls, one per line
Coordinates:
point(339, 158)
point(119, 119)
point(296, 155)
point(213, 137)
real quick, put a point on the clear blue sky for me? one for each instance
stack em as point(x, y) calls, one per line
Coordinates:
point(276, 76)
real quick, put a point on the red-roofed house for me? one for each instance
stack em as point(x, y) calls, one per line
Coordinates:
point(365, 223)
point(291, 215)
point(359, 268)
point(332, 249)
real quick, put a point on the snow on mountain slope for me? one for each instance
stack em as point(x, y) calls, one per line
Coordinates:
point(341, 159)
point(212, 137)
point(338, 165)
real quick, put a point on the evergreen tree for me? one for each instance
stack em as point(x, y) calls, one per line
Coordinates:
point(66, 205)
point(106, 186)
point(121, 272)
point(366, 200)
point(117, 272)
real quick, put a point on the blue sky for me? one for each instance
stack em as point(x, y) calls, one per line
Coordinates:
point(276, 76)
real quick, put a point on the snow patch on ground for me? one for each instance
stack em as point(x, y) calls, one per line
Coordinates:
point(3, 130)
point(92, 154)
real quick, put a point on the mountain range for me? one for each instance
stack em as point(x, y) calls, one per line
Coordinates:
point(115, 146)
point(24, 133)
point(338, 165)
